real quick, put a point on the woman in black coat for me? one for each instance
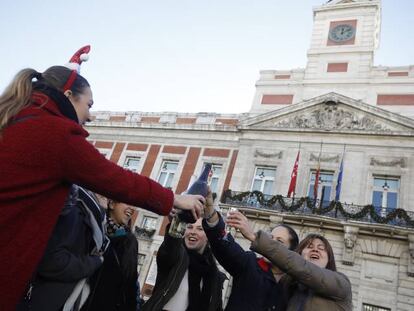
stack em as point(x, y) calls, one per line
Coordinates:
point(115, 285)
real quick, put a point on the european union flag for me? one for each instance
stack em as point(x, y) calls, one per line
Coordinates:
point(339, 183)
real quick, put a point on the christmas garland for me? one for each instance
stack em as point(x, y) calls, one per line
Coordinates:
point(289, 205)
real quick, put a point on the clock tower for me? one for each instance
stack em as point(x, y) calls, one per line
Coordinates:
point(340, 60)
point(344, 37)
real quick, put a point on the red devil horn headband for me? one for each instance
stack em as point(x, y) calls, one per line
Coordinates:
point(75, 61)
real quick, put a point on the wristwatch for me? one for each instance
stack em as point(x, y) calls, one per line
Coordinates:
point(208, 217)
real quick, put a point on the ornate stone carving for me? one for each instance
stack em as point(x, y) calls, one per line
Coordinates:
point(331, 116)
point(266, 154)
point(350, 238)
point(410, 271)
point(328, 158)
point(390, 163)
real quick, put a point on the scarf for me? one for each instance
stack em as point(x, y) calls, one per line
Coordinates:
point(201, 268)
point(264, 265)
point(115, 230)
point(124, 247)
point(96, 217)
point(63, 103)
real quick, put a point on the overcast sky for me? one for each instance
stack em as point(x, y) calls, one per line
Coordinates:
point(177, 55)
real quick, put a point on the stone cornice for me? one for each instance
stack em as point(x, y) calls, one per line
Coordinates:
point(161, 126)
point(333, 6)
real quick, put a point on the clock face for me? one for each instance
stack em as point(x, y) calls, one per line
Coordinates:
point(342, 32)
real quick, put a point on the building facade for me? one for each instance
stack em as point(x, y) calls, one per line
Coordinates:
point(347, 122)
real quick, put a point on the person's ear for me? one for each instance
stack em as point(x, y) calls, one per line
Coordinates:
point(68, 93)
point(111, 205)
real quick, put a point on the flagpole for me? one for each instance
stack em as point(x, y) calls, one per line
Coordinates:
point(294, 190)
point(293, 176)
point(318, 169)
point(339, 180)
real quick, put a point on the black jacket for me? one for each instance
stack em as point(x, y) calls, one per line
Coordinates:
point(67, 258)
point(254, 287)
point(111, 289)
point(172, 263)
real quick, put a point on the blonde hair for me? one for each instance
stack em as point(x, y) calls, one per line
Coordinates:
point(16, 96)
point(18, 93)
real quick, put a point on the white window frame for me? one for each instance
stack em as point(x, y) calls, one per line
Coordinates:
point(215, 176)
point(137, 168)
point(152, 219)
point(386, 190)
point(264, 178)
point(155, 172)
point(133, 154)
point(322, 183)
point(162, 170)
point(219, 161)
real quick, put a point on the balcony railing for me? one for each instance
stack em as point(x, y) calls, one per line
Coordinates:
point(334, 209)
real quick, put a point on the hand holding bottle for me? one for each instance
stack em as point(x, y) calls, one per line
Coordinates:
point(209, 212)
point(190, 202)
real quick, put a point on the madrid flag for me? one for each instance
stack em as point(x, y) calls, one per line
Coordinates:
point(292, 185)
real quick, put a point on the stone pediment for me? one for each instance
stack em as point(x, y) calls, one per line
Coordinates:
point(335, 2)
point(332, 112)
point(339, 1)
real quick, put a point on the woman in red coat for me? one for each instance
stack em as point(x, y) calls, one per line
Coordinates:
point(43, 151)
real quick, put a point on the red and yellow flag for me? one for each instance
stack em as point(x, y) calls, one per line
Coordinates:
point(292, 185)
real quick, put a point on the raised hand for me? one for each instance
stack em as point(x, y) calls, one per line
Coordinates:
point(191, 202)
point(209, 208)
point(237, 220)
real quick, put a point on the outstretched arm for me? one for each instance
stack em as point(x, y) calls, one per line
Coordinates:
point(323, 281)
point(229, 253)
point(239, 221)
point(82, 164)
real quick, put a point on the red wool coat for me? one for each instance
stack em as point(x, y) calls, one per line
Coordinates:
point(40, 157)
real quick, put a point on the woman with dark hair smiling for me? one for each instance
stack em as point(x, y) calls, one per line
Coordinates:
point(313, 280)
point(118, 275)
